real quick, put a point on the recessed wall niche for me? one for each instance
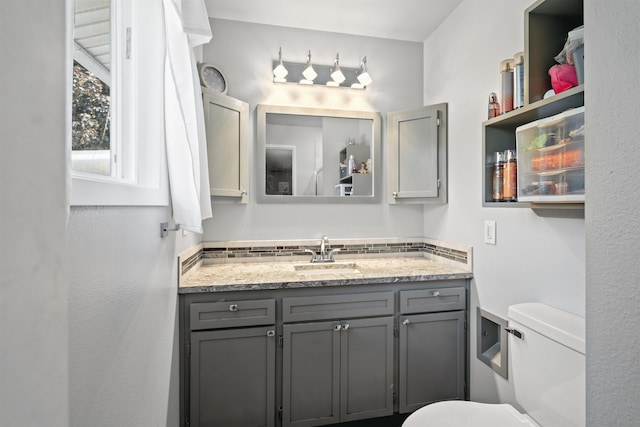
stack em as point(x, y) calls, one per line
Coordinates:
point(492, 341)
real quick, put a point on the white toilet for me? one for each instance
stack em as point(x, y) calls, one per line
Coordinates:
point(548, 369)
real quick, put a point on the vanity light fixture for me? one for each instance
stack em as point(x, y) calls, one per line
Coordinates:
point(337, 75)
point(364, 78)
point(306, 73)
point(309, 73)
point(280, 72)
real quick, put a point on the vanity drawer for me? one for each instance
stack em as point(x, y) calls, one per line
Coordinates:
point(429, 300)
point(232, 314)
point(302, 309)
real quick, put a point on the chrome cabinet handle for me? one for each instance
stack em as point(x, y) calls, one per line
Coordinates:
point(337, 328)
point(345, 327)
point(233, 307)
point(271, 333)
point(436, 294)
point(405, 322)
point(394, 194)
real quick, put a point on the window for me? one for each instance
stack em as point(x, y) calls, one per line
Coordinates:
point(91, 100)
point(117, 132)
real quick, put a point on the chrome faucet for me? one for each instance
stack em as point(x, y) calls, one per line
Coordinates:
point(323, 256)
point(324, 240)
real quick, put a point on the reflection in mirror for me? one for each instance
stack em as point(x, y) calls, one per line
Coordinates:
point(310, 155)
point(281, 168)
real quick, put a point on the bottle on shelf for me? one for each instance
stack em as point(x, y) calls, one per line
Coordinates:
point(352, 165)
point(518, 80)
point(498, 176)
point(510, 176)
point(506, 85)
point(494, 106)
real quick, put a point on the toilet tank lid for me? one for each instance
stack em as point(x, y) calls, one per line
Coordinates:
point(565, 328)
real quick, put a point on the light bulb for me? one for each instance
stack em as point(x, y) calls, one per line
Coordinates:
point(280, 72)
point(337, 75)
point(309, 73)
point(364, 78)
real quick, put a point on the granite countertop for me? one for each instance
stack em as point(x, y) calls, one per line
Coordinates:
point(281, 275)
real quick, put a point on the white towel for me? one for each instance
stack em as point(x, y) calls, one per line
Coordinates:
point(186, 26)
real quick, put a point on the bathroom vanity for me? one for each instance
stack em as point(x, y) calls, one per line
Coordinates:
point(300, 344)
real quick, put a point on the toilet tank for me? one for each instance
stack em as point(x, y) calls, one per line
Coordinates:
point(548, 364)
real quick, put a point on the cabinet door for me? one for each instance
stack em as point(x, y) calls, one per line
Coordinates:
point(233, 378)
point(432, 355)
point(311, 374)
point(366, 368)
point(226, 125)
point(418, 155)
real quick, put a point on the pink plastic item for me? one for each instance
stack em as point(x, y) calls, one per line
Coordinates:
point(563, 77)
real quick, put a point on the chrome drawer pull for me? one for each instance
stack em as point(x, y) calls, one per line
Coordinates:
point(337, 328)
point(405, 322)
point(271, 333)
point(345, 327)
point(233, 307)
point(436, 294)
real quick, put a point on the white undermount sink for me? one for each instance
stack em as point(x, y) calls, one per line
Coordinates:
point(327, 268)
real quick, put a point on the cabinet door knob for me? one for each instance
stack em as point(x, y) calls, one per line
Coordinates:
point(436, 294)
point(405, 322)
point(394, 194)
point(337, 328)
point(346, 326)
point(233, 307)
point(271, 333)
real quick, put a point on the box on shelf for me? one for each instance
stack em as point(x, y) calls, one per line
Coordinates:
point(551, 159)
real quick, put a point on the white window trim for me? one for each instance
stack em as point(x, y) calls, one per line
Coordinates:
point(139, 140)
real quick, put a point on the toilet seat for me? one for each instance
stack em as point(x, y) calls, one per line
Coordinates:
point(459, 413)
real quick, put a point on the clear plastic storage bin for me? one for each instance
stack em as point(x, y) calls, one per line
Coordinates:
point(551, 159)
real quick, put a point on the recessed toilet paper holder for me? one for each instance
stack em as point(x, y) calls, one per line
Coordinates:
point(493, 341)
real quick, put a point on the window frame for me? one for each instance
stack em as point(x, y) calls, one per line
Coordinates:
point(137, 138)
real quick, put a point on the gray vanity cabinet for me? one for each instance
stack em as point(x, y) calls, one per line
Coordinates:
point(417, 156)
point(339, 370)
point(432, 347)
point(232, 369)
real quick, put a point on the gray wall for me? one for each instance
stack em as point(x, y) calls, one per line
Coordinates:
point(33, 286)
point(613, 212)
point(244, 52)
point(535, 258)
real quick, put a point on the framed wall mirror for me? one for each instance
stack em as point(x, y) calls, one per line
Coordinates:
point(312, 155)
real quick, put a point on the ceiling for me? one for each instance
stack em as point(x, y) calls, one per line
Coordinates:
point(411, 20)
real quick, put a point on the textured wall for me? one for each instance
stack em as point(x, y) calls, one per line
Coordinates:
point(33, 286)
point(536, 258)
point(122, 317)
point(613, 212)
point(244, 52)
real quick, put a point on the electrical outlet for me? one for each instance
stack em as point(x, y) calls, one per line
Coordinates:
point(490, 232)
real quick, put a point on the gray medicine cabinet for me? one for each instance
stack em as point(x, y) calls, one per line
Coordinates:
point(417, 155)
point(227, 126)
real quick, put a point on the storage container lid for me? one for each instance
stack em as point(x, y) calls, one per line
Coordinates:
point(565, 328)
